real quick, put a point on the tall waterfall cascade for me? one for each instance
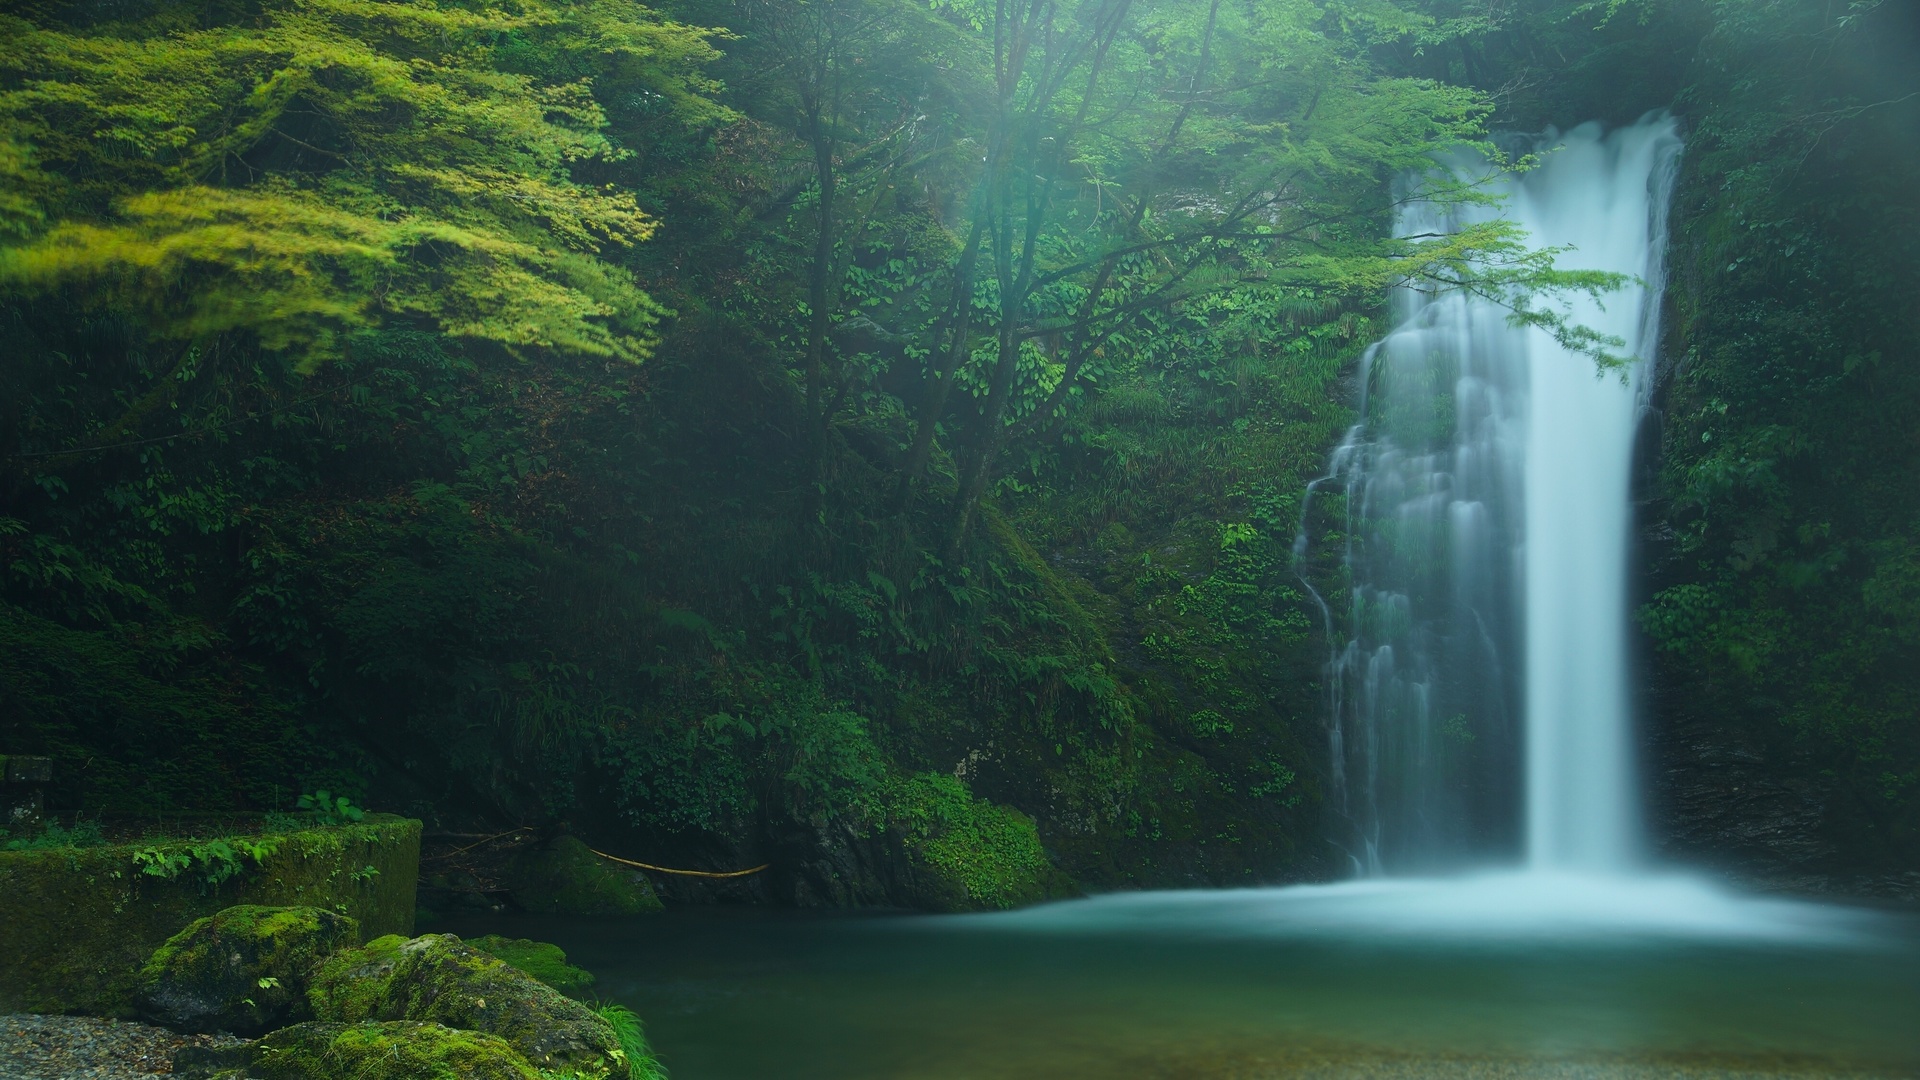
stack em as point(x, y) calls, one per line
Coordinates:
point(1480, 705)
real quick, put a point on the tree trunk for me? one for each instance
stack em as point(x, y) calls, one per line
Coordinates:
point(820, 312)
point(960, 318)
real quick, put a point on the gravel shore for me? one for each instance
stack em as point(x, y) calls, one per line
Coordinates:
point(36, 1047)
point(1336, 1066)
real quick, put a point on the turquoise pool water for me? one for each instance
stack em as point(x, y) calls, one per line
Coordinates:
point(1366, 979)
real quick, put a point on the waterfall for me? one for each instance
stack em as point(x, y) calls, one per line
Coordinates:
point(1479, 703)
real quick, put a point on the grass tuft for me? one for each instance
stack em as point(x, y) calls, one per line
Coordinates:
point(632, 1035)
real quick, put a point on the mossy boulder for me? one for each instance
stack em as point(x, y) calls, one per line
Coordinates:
point(564, 877)
point(539, 959)
point(389, 1050)
point(967, 854)
point(440, 978)
point(243, 970)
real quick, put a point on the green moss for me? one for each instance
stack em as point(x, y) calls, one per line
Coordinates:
point(394, 1050)
point(538, 959)
point(438, 977)
point(81, 922)
point(351, 985)
point(565, 877)
point(243, 970)
point(981, 855)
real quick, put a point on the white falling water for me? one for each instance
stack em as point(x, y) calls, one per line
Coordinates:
point(1481, 704)
point(1607, 198)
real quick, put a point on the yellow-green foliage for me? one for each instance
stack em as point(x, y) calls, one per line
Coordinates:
point(328, 164)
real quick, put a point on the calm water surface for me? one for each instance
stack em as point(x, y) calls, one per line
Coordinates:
point(1266, 983)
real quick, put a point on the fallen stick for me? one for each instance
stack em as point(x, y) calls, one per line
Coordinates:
point(682, 873)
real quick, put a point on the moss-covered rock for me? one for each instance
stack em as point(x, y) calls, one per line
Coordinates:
point(440, 978)
point(564, 877)
point(243, 970)
point(391, 1050)
point(78, 923)
point(968, 854)
point(539, 959)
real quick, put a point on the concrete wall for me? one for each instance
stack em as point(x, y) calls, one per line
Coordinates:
point(77, 923)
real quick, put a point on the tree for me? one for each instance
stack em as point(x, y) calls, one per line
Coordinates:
point(330, 165)
point(1137, 161)
point(851, 80)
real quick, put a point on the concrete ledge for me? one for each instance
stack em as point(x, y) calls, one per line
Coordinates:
point(77, 923)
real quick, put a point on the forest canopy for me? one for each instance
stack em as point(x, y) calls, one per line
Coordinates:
point(309, 169)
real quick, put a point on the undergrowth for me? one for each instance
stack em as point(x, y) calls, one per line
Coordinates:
point(57, 837)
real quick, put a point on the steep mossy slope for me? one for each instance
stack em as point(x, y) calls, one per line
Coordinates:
point(1784, 530)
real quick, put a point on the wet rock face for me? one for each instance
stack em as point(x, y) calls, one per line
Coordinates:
point(439, 978)
point(1720, 802)
point(390, 1050)
point(565, 877)
point(243, 970)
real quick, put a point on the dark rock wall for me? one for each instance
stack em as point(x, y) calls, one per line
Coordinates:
point(1782, 516)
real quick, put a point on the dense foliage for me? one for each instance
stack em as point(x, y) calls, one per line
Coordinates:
point(866, 437)
point(1787, 608)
